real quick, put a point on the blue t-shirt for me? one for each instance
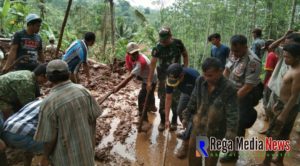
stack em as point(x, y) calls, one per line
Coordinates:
point(75, 55)
point(221, 53)
point(187, 84)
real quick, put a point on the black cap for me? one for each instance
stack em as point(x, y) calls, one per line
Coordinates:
point(174, 71)
point(164, 34)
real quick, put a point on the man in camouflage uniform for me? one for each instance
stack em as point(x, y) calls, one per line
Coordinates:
point(169, 50)
point(214, 108)
point(243, 70)
point(16, 90)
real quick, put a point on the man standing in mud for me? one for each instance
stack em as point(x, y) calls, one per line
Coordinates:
point(77, 54)
point(243, 70)
point(168, 51)
point(26, 49)
point(67, 120)
point(287, 107)
point(214, 106)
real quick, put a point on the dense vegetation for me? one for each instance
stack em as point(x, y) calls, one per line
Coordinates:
point(190, 20)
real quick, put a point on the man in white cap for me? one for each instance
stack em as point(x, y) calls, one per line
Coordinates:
point(67, 120)
point(26, 48)
point(139, 65)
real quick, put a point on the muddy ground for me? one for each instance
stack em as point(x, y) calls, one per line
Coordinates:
point(117, 139)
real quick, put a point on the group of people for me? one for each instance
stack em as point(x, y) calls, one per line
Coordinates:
point(60, 126)
point(219, 102)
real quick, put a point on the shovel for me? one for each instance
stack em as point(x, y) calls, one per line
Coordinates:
point(105, 97)
point(143, 113)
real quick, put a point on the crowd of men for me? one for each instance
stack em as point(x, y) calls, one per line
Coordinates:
point(219, 102)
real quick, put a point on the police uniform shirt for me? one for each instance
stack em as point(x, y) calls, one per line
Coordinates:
point(243, 70)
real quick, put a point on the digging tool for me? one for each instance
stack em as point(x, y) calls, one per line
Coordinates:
point(105, 97)
point(15, 62)
point(143, 113)
point(165, 148)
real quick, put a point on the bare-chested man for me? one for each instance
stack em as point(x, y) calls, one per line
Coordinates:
point(286, 109)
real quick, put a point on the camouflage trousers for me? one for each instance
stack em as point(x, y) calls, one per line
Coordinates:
point(162, 96)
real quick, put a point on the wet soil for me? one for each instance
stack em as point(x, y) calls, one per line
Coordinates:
point(117, 139)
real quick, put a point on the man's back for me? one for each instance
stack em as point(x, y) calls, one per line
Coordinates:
point(18, 85)
point(71, 114)
point(75, 54)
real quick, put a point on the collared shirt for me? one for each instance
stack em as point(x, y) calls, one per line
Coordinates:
point(69, 114)
point(244, 70)
point(18, 88)
point(221, 103)
point(24, 122)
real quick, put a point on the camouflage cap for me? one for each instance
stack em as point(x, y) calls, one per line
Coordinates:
point(57, 65)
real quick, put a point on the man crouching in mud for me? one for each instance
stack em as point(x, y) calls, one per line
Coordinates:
point(286, 109)
point(214, 105)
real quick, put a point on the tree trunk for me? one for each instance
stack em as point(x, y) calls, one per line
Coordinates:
point(254, 15)
point(293, 14)
point(103, 32)
point(63, 27)
point(112, 20)
point(42, 7)
point(236, 16)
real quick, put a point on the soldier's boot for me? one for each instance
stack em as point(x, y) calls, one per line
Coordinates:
point(152, 108)
point(173, 127)
point(145, 126)
point(161, 127)
point(230, 157)
point(180, 134)
point(181, 153)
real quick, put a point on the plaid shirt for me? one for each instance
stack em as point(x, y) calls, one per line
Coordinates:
point(68, 116)
point(24, 122)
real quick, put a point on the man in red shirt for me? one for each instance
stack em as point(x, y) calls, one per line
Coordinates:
point(139, 65)
point(271, 61)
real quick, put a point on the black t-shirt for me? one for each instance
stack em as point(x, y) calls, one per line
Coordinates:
point(187, 84)
point(28, 45)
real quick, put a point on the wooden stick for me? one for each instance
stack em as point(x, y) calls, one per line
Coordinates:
point(165, 148)
point(105, 97)
point(144, 112)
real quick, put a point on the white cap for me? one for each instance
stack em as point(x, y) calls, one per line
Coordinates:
point(31, 17)
point(132, 47)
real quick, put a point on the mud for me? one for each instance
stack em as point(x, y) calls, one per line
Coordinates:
point(117, 139)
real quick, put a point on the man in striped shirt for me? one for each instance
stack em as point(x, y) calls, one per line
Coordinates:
point(67, 120)
point(77, 54)
point(19, 129)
